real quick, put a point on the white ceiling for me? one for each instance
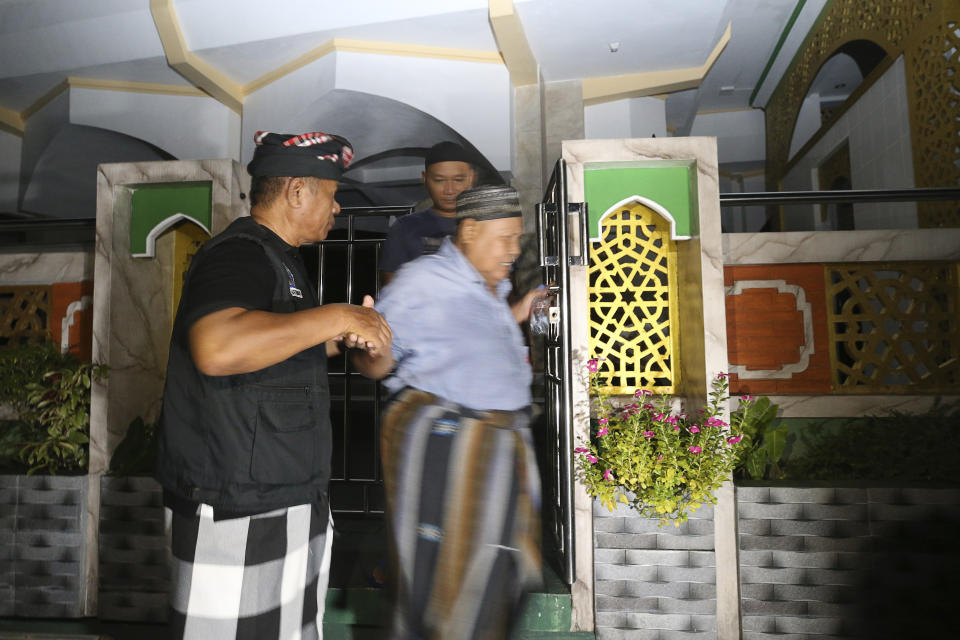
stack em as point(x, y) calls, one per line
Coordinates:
point(44, 41)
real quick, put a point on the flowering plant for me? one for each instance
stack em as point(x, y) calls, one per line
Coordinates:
point(661, 463)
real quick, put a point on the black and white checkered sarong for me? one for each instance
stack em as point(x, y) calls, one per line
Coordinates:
point(259, 577)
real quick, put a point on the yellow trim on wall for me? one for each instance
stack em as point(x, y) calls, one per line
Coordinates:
point(105, 85)
point(512, 40)
point(134, 87)
point(44, 100)
point(200, 73)
point(11, 122)
point(605, 89)
point(365, 46)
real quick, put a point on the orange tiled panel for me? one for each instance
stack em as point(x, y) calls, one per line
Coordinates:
point(76, 297)
point(766, 331)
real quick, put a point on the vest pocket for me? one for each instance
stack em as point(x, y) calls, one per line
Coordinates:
point(286, 438)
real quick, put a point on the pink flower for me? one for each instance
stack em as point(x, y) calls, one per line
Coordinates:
point(581, 450)
point(723, 376)
point(592, 458)
point(676, 428)
point(734, 439)
point(716, 422)
point(648, 434)
point(649, 407)
point(694, 449)
point(602, 432)
point(642, 392)
point(682, 416)
point(694, 429)
point(608, 475)
point(592, 365)
point(658, 417)
point(660, 457)
point(747, 398)
point(670, 419)
point(602, 421)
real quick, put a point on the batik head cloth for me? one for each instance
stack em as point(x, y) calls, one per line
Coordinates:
point(315, 154)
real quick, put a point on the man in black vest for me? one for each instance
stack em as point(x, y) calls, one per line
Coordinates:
point(244, 443)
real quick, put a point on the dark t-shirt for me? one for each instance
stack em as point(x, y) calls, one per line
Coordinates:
point(413, 236)
point(236, 273)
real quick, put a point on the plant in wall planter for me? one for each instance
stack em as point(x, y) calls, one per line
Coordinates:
point(662, 463)
point(48, 436)
point(20, 367)
point(56, 419)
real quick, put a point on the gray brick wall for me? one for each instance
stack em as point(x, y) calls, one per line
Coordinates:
point(134, 579)
point(42, 552)
point(654, 583)
point(847, 562)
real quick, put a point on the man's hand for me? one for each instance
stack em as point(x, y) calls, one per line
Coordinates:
point(371, 359)
point(521, 308)
point(367, 330)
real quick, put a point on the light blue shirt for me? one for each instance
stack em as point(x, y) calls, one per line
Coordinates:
point(452, 337)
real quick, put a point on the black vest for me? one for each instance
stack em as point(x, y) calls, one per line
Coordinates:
point(251, 442)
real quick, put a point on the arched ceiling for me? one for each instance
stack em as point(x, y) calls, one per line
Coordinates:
point(64, 181)
point(231, 44)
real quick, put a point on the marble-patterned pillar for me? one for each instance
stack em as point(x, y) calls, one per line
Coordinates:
point(132, 317)
point(703, 336)
point(544, 115)
point(527, 150)
point(562, 109)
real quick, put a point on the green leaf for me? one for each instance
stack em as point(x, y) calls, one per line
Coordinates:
point(775, 442)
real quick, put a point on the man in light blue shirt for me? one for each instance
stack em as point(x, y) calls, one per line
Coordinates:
point(458, 339)
point(463, 490)
point(454, 335)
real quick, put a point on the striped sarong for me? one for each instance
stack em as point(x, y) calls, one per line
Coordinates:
point(463, 501)
point(260, 577)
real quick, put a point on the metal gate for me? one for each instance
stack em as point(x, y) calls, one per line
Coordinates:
point(347, 265)
point(553, 219)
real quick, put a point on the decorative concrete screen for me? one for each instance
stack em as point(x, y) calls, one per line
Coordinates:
point(638, 213)
point(633, 288)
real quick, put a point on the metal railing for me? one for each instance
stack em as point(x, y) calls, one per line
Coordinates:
point(840, 210)
point(836, 197)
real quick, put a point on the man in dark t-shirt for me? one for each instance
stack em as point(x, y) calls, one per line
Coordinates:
point(244, 436)
point(448, 171)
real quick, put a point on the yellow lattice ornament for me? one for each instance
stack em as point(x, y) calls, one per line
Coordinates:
point(632, 277)
point(24, 314)
point(894, 327)
point(934, 87)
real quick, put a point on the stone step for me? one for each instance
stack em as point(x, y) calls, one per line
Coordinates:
point(343, 632)
point(367, 607)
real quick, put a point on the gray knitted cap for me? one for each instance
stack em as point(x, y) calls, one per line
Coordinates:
point(488, 203)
